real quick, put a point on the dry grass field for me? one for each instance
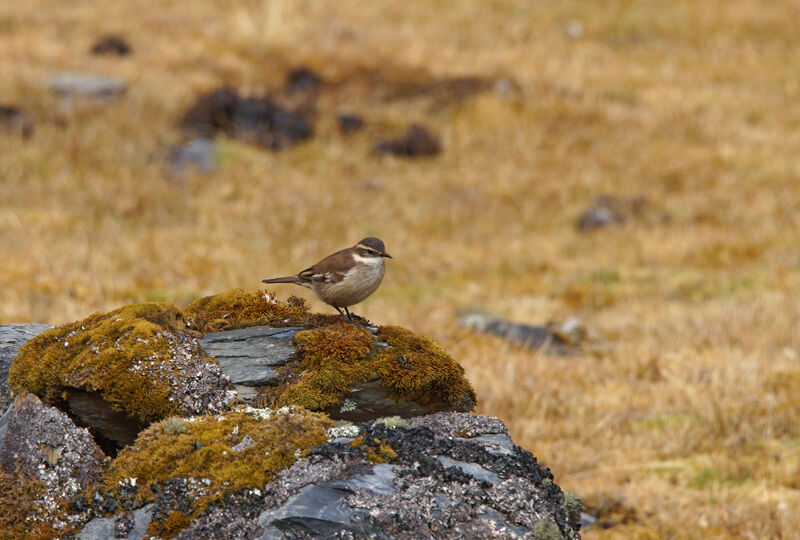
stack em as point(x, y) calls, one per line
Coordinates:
point(686, 425)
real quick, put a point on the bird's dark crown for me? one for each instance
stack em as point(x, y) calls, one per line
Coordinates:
point(371, 243)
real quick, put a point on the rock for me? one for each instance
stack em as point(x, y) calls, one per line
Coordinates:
point(16, 121)
point(111, 44)
point(79, 88)
point(132, 526)
point(540, 338)
point(302, 79)
point(416, 142)
point(41, 441)
point(388, 371)
point(117, 372)
point(432, 486)
point(257, 120)
point(249, 356)
point(243, 472)
point(349, 123)
point(608, 210)
point(198, 153)
point(12, 338)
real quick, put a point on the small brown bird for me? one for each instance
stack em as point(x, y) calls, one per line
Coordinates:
point(346, 277)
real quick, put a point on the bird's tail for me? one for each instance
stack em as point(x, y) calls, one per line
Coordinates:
point(287, 279)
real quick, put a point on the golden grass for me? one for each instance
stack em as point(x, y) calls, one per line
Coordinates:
point(691, 419)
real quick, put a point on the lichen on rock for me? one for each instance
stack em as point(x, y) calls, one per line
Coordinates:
point(208, 453)
point(45, 460)
point(140, 359)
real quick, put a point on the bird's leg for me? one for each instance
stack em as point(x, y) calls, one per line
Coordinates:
point(347, 318)
point(348, 313)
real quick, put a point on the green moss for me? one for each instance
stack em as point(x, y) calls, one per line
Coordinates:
point(392, 422)
point(546, 530)
point(417, 368)
point(572, 506)
point(23, 514)
point(238, 308)
point(381, 453)
point(332, 360)
point(205, 450)
point(100, 354)
point(375, 450)
point(337, 357)
point(174, 425)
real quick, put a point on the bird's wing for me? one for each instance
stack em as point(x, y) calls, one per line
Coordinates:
point(331, 269)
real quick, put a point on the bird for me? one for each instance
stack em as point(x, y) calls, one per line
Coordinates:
point(344, 278)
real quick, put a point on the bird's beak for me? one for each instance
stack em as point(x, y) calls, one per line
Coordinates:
point(384, 254)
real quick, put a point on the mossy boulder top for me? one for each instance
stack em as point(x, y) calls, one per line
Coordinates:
point(144, 362)
point(139, 359)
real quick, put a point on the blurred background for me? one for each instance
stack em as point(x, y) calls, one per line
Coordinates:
point(629, 167)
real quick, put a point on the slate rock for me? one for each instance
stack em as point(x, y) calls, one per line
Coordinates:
point(111, 44)
point(249, 356)
point(42, 441)
point(198, 153)
point(370, 400)
point(15, 120)
point(132, 526)
point(417, 141)
point(435, 486)
point(12, 338)
point(73, 87)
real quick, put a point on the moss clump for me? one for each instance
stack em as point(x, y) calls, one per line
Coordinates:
point(572, 506)
point(238, 308)
point(392, 422)
point(174, 425)
point(335, 358)
point(332, 360)
point(417, 368)
point(382, 453)
point(101, 353)
point(546, 530)
point(207, 450)
point(375, 450)
point(23, 511)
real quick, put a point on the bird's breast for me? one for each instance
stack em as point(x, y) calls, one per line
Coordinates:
point(360, 281)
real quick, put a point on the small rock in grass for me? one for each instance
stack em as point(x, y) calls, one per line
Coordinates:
point(111, 44)
point(417, 141)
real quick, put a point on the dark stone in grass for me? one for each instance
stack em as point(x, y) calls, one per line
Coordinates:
point(349, 123)
point(111, 44)
point(256, 120)
point(302, 79)
point(548, 339)
point(15, 120)
point(417, 141)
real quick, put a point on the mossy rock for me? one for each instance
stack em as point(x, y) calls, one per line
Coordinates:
point(345, 371)
point(238, 308)
point(214, 455)
point(138, 359)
